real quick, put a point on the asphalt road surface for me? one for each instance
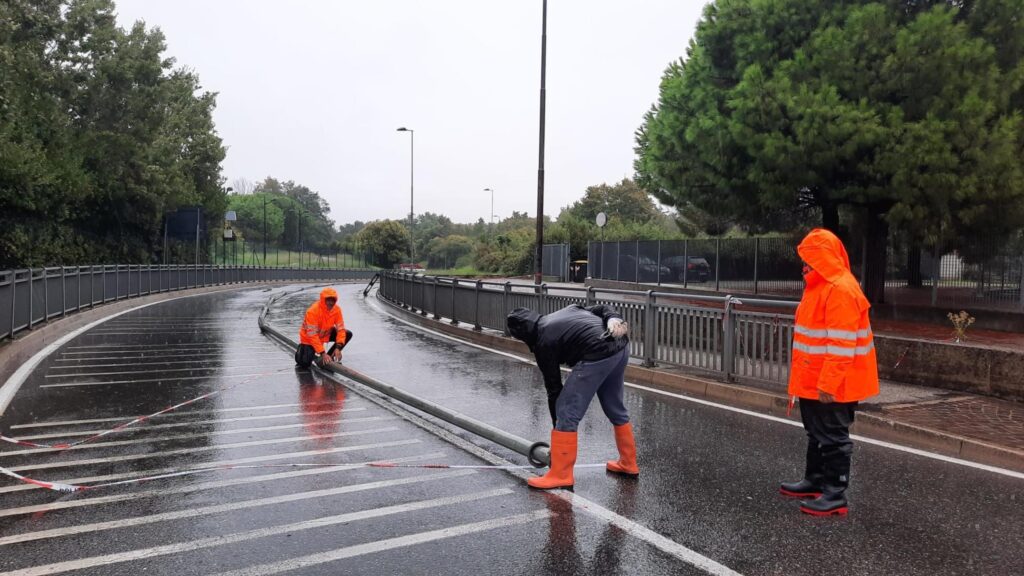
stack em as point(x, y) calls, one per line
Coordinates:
point(286, 486)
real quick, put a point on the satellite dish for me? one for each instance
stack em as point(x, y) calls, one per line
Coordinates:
point(602, 219)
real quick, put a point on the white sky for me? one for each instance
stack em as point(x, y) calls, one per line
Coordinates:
point(313, 90)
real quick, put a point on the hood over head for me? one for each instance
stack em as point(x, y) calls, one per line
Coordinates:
point(328, 293)
point(522, 325)
point(824, 251)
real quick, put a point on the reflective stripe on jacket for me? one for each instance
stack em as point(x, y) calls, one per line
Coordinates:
point(833, 346)
point(319, 321)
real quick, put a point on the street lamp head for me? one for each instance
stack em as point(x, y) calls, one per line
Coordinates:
point(403, 129)
point(488, 190)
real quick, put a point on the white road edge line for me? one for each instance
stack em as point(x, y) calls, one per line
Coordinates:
point(881, 443)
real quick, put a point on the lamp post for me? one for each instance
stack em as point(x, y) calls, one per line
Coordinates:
point(412, 165)
point(492, 204)
point(538, 272)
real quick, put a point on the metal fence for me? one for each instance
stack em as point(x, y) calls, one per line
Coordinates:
point(739, 340)
point(33, 296)
point(987, 274)
point(556, 261)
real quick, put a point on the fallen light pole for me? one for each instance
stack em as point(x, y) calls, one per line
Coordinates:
point(538, 453)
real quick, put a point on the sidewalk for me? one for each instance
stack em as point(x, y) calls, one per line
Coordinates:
point(972, 427)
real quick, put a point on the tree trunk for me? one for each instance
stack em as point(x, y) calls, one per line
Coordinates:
point(914, 279)
point(830, 216)
point(877, 235)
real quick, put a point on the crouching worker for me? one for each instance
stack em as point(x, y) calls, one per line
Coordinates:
point(833, 368)
point(593, 342)
point(323, 324)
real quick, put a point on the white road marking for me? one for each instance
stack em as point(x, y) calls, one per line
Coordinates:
point(209, 510)
point(79, 433)
point(130, 457)
point(186, 488)
point(170, 380)
point(389, 544)
point(137, 441)
point(215, 541)
point(44, 424)
point(158, 371)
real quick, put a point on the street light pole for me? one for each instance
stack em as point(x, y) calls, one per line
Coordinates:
point(538, 272)
point(492, 204)
point(264, 229)
point(412, 180)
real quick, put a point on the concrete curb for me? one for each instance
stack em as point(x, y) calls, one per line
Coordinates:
point(868, 424)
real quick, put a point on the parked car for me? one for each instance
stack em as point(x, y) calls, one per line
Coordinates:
point(692, 268)
point(647, 268)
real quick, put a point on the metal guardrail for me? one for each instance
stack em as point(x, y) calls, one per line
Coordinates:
point(33, 296)
point(538, 453)
point(739, 339)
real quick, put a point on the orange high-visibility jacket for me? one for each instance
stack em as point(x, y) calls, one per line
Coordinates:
point(317, 325)
point(833, 347)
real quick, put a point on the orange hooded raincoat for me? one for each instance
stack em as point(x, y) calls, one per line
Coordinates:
point(318, 322)
point(833, 347)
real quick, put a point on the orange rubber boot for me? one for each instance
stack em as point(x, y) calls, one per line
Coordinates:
point(563, 458)
point(626, 463)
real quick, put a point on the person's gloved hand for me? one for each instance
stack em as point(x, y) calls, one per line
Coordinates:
point(617, 327)
point(323, 360)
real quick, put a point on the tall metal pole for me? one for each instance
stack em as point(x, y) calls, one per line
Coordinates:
point(412, 181)
point(197, 235)
point(538, 272)
point(264, 230)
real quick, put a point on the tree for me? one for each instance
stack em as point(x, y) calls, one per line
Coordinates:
point(626, 200)
point(250, 211)
point(387, 240)
point(100, 136)
point(903, 113)
point(447, 251)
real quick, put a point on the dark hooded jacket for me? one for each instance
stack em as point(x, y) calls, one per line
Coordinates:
point(567, 336)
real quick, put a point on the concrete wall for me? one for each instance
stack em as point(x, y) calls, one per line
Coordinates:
point(959, 367)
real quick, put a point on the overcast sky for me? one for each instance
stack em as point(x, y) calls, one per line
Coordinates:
point(313, 90)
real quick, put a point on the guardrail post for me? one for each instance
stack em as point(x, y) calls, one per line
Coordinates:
point(46, 295)
point(14, 300)
point(437, 315)
point(542, 301)
point(63, 292)
point(455, 283)
point(650, 345)
point(728, 340)
point(506, 296)
point(31, 300)
point(423, 296)
point(117, 284)
point(590, 296)
point(476, 308)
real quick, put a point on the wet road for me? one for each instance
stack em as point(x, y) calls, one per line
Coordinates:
point(708, 481)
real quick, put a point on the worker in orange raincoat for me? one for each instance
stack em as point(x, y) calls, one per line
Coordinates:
point(833, 368)
point(323, 323)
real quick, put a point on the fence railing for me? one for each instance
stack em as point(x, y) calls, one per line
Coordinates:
point(738, 339)
point(32, 296)
point(990, 274)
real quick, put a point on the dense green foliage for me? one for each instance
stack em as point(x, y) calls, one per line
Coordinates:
point(100, 135)
point(899, 112)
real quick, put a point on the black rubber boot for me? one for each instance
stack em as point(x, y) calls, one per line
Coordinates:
point(810, 486)
point(832, 501)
